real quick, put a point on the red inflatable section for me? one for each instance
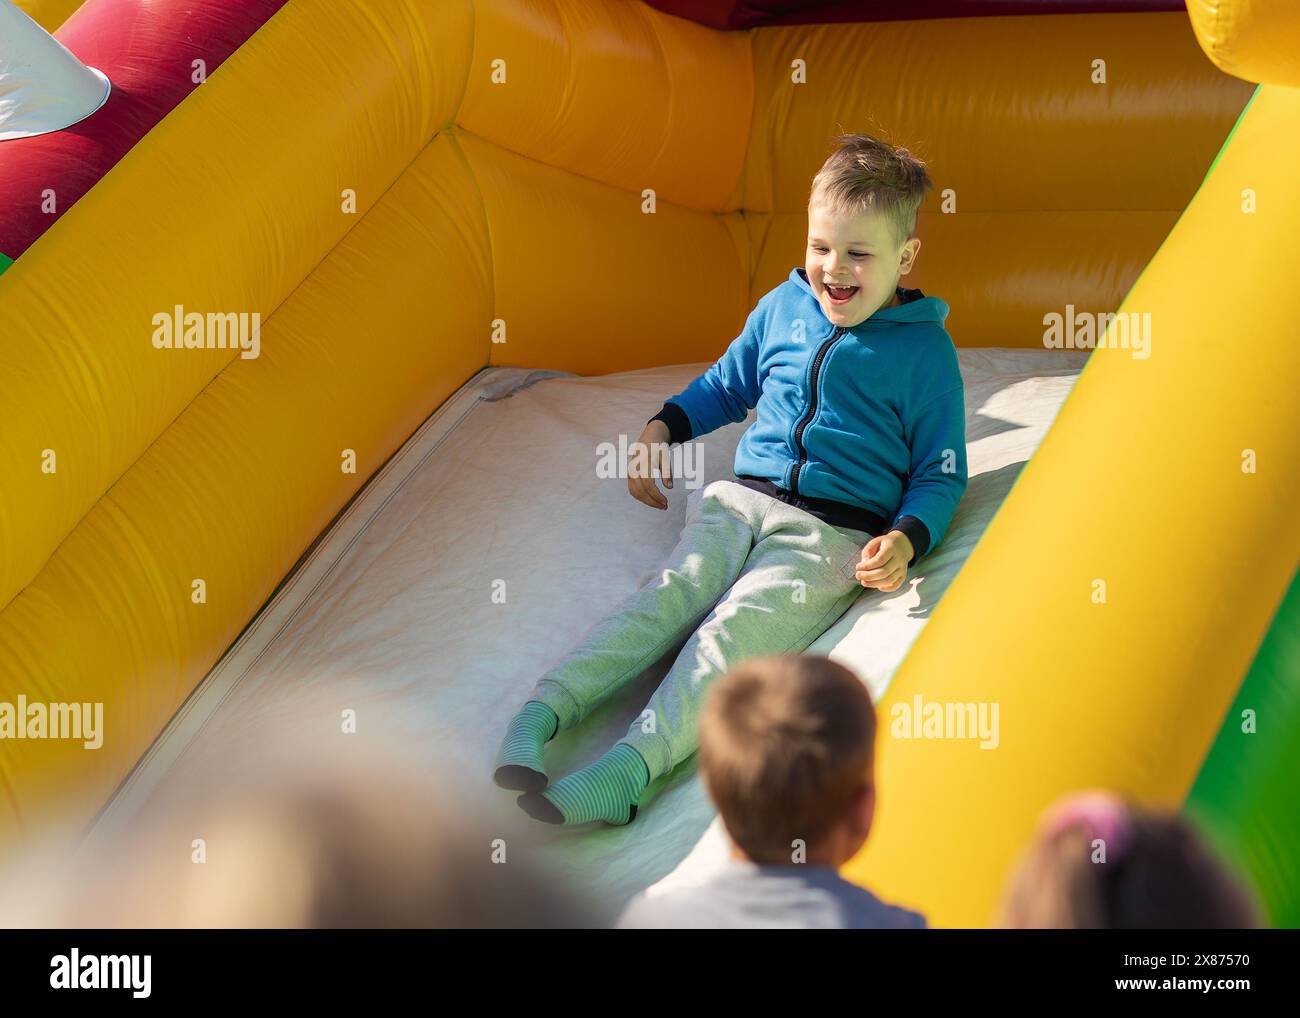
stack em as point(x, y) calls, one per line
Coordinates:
point(752, 13)
point(147, 48)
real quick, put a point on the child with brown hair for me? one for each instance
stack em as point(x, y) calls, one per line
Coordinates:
point(786, 753)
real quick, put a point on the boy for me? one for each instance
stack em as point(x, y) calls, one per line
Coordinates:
point(851, 472)
point(786, 756)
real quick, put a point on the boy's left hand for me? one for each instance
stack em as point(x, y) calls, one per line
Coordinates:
point(884, 561)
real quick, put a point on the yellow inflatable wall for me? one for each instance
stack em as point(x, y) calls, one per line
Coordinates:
point(392, 185)
point(49, 14)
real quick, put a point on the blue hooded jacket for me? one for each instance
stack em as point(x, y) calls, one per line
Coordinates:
point(872, 417)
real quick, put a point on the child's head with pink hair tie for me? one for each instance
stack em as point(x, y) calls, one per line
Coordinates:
point(1096, 862)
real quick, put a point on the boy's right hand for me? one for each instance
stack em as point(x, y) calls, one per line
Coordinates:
point(641, 463)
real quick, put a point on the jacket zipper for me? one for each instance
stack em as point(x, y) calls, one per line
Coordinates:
point(812, 407)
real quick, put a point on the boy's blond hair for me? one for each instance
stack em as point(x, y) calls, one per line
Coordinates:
point(866, 174)
point(785, 746)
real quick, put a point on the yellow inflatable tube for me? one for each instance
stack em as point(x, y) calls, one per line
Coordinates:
point(49, 14)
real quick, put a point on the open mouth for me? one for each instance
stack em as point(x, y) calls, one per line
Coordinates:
point(841, 294)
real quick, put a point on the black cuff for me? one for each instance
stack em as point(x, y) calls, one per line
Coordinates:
point(679, 425)
point(916, 532)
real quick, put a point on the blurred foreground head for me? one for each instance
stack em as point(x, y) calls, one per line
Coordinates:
point(361, 842)
point(1098, 863)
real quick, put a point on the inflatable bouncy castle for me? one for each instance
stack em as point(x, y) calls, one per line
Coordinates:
point(315, 318)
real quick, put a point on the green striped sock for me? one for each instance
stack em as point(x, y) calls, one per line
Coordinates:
point(606, 790)
point(519, 762)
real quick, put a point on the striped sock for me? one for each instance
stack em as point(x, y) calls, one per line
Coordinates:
point(606, 790)
point(519, 762)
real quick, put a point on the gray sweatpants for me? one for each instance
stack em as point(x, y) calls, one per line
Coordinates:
point(750, 575)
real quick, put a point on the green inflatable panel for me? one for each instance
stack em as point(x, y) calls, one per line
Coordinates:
point(1247, 797)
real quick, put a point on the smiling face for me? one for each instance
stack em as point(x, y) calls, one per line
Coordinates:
point(854, 263)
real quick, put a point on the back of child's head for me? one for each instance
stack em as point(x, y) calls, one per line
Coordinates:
point(1097, 863)
point(865, 174)
point(785, 748)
